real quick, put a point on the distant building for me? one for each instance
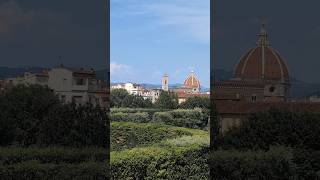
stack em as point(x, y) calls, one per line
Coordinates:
point(191, 87)
point(165, 82)
point(138, 90)
point(261, 75)
point(72, 85)
point(132, 88)
point(261, 81)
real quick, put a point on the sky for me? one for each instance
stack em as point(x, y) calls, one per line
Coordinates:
point(293, 27)
point(152, 37)
point(37, 33)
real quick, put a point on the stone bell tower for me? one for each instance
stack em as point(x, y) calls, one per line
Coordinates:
point(165, 82)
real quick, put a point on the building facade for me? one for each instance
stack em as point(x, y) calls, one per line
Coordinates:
point(72, 85)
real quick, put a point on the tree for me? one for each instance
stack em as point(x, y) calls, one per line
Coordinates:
point(22, 110)
point(33, 115)
point(117, 96)
point(196, 102)
point(167, 100)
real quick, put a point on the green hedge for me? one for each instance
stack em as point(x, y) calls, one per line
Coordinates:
point(275, 127)
point(36, 170)
point(185, 157)
point(52, 163)
point(274, 164)
point(277, 163)
point(125, 135)
point(150, 111)
point(139, 117)
point(190, 118)
point(13, 155)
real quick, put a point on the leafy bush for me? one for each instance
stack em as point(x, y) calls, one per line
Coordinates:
point(121, 98)
point(275, 127)
point(53, 163)
point(138, 110)
point(274, 164)
point(126, 135)
point(190, 118)
point(33, 115)
point(130, 117)
point(14, 155)
point(180, 158)
point(196, 102)
point(35, 170)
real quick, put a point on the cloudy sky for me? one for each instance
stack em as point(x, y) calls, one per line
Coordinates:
point(36, 33)
point(150, 38)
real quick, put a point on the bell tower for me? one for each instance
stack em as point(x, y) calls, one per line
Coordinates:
point(165, 82)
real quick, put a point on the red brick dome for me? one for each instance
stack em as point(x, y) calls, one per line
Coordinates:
point(262, 62)
point(192, 81)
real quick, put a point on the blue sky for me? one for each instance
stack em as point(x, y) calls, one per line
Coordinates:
point(153, 37)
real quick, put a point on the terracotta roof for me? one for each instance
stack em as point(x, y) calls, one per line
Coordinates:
point(192, 81)
point(262, 62)
point(244, 108)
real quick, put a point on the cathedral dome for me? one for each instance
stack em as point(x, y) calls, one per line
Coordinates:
point(262, 62)
point(192, 81)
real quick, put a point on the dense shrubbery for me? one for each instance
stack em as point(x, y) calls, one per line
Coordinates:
point(298, 131)
point(33, 115)
point(121, 98)
point(275, 127)
point(138, 110)
point(52, 163)
point(181, 158)
point(274, 164)
point(139, 117)
point(196, 102)
point(190, 118)
point(126, 135)
point(33, 123)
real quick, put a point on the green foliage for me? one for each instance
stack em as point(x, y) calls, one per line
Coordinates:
point(180, 158)
point(35, 170)
point(167, 100)
point(139, 117)
point(117, 96)
point(274, 164)
point(125, 135)
point(52, 163)
point(121, 98)
point(196, 102)
point(190, 118)
point(33, 115)
point(150, 111)
point(308, 163)
point(76, 126)
point(275, 127)
point(14, 155)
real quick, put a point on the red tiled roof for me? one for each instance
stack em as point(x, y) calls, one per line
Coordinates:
point(241, 107)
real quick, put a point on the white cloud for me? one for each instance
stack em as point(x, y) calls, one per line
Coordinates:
point(122, 72)
point(189, 18)
point(116, 68)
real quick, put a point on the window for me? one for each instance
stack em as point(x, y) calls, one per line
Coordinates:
point(254, 98)
point(80, 81)
point(272, 89)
